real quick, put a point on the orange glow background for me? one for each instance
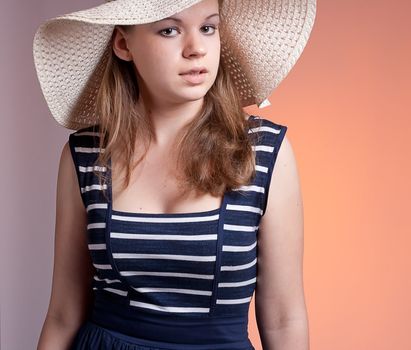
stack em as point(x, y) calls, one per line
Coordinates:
point(347, 106)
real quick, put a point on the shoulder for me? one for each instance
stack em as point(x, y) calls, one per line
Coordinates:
point(275, 152)
point(285, 173)
point(284, 193)
point(84, 146)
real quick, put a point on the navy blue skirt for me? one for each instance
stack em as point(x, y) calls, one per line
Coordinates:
point(92, 336)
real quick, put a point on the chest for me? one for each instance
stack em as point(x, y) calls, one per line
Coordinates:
point(154, 188)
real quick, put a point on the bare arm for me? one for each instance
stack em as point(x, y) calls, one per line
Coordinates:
point(279, 299)
point(71, 294)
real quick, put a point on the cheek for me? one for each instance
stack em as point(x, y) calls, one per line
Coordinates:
point(158, 60)
point(156, 71)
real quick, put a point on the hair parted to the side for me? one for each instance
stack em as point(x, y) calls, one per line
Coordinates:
point(214, 150)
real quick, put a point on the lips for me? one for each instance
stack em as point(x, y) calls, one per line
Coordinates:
point(194, 77)
point(196, 70)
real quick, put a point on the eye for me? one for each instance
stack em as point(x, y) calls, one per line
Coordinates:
point(166, 29)
point(214, 27)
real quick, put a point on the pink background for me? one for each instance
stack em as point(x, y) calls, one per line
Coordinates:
point(346, 104)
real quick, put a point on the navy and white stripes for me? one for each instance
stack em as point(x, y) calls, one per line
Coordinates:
point(187, 264)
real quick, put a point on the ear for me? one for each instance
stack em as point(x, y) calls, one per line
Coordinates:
point(120, 45)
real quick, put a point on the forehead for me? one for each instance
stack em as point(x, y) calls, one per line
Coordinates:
point(204, 10)
point(180, 19)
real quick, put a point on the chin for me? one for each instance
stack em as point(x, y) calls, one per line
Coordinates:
point(199, 93)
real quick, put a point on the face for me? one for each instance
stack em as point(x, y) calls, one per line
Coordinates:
point(163, 50)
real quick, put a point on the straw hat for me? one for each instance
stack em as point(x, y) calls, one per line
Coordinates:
point(260, 42)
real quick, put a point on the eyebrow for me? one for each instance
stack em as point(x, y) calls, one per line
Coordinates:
point(179, 20)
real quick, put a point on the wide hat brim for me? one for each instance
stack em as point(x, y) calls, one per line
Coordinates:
point(260, 43)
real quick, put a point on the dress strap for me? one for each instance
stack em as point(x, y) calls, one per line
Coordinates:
point(270, 137)
point(84, 147)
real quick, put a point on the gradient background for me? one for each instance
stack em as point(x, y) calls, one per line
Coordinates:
point(346, 104)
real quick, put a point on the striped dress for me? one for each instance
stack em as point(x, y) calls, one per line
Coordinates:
point(172, 281)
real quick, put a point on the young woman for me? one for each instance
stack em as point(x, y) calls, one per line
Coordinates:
point(173, 205)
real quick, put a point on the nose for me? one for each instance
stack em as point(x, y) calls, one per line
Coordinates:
point(194, 45)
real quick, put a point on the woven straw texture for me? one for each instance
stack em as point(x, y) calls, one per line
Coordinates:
point(261, 41)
